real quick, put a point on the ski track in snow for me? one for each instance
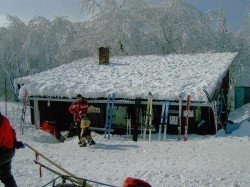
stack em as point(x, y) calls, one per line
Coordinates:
point(220, 160)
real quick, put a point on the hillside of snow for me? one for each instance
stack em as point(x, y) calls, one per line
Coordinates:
point(220, 160)
point(165, 76)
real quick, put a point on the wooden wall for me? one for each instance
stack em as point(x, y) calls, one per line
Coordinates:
point(58, 112)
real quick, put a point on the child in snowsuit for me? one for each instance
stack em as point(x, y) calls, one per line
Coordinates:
point(86, 133)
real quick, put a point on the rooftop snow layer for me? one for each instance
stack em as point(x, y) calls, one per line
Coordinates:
point(165, 76)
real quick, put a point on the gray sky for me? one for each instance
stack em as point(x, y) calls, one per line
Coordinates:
point(28, 9)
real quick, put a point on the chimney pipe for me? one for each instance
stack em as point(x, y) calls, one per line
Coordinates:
point(103, 55)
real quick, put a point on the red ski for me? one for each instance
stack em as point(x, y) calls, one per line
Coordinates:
point(187, 118)
point(179, 118)
point(24, 100)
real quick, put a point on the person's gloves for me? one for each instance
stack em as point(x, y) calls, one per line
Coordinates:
point(19, 144)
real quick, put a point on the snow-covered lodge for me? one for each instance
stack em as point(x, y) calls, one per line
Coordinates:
point(131, 78)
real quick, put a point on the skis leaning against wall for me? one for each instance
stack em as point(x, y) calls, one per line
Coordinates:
point(164, 121)
point(109, 115)
point(148, 117)
point(24, 107)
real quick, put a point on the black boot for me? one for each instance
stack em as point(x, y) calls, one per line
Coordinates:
point(83, 144)
point(92, 142)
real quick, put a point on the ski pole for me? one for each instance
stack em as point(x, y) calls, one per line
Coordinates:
point(50, 161)
point(103, 184)
point(74, 180)
point(5, 97)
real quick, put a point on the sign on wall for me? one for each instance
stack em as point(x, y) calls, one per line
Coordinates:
point(191, 113)
point(120, 116)
point(173, 120)
point(92, 109)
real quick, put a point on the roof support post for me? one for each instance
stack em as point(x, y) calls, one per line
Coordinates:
point(37, 114)
point(136, 118)
point(215, 116)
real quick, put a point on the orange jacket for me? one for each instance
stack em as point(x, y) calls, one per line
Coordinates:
point(7, 134)
point(79, 109)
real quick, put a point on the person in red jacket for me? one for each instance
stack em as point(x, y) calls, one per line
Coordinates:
point(8, 144)
point(79, 109)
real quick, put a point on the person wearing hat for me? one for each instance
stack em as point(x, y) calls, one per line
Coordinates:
point(79, 109)
point(8, 143)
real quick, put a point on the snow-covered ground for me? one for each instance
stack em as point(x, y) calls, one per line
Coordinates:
point(220, 160)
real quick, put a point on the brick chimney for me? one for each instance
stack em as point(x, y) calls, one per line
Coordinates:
point(103, 55)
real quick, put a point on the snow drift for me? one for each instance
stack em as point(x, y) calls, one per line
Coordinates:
point(237, 118)
point(240, 114)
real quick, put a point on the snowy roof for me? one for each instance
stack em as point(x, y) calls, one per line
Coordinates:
point(165, 76)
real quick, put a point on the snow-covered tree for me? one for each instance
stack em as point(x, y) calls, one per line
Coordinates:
point(143, 27)
point(63, 35)
point(179, 27)
point(244, 31)
point(38, 44)
point(117, 24)
point(12, 60)
point(243, 45)
point(224, 37)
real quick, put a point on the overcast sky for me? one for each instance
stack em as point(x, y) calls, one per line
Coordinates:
point(28, 9)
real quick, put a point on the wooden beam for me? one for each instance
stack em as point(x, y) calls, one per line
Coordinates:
point(120, 101)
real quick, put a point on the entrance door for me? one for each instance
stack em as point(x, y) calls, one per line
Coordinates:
point(246, 95)
point(239, 97)
point(242, 96)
